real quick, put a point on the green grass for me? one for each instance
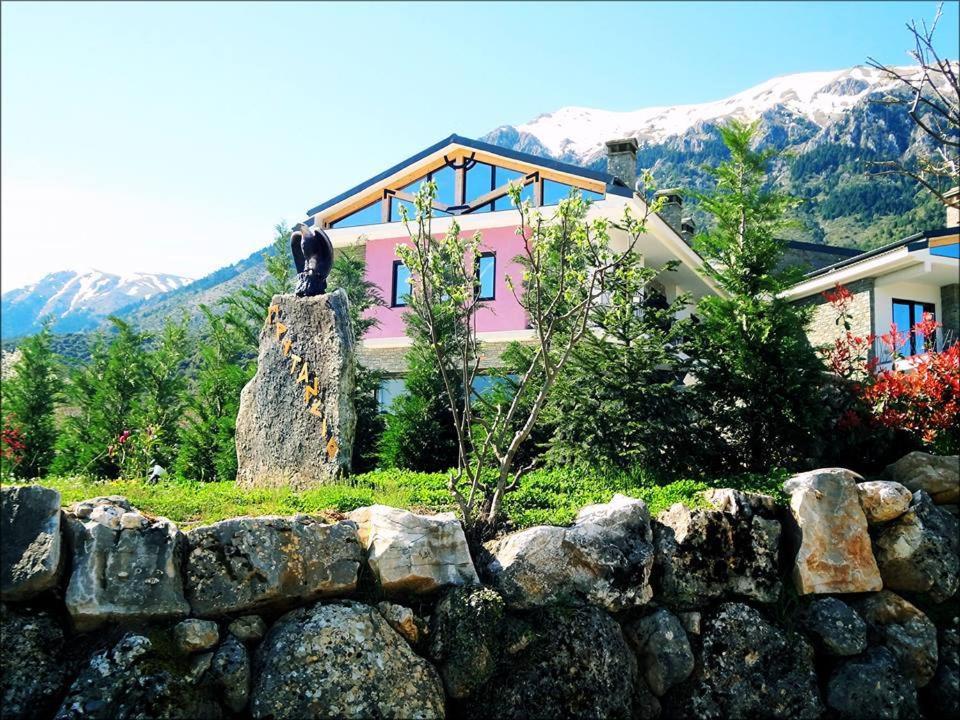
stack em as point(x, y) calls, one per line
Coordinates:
point(544, 497)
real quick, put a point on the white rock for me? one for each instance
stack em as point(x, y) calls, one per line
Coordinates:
point(883, 500)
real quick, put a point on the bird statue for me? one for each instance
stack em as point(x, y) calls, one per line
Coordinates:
point(313, 256)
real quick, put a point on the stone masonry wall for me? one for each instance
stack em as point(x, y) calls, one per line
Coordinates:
point(950, 309)
point(841, 604)
point(823, 329)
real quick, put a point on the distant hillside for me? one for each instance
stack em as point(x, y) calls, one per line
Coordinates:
point(78, 300)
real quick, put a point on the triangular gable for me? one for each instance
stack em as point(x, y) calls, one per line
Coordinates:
point(471, 177)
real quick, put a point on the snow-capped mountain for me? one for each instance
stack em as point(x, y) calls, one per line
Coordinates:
point(78, 300)
point(577, 134)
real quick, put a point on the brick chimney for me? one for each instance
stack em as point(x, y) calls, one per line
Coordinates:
point(672, 207)
point(622, 160)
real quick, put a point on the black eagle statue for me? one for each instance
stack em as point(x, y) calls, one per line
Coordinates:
point(313, 256)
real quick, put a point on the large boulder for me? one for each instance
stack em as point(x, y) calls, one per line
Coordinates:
point(246, 564)
point(296, 421)
point(30, 553)
point(578, 665)
point(126, 573)
point(918, 551)
point(708, 555)
point(132, 680)
point(751, 669)
point(414, 553)
point(605, 558)
point(835, 627)
point(942, 694)
point(905, 631)
point(834, 554)
point(871, 687)
point(467, 638)
point(936, 475)
point(33, 672)
point(883, 500)
point(341, 660)
point(664, 651)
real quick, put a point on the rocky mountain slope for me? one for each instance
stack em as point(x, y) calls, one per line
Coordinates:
point(78, 300)
point(834, 124)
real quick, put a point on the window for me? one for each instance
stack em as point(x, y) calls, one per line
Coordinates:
point(554, 192)
point(368, 215)
point(906, 314)
point(401, 284)
point(389, 390)
point(486, 276)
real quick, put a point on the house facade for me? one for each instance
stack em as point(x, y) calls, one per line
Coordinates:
point(472, 181)
point(894, 284)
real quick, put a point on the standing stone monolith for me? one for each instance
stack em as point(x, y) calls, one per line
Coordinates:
point(296, 421)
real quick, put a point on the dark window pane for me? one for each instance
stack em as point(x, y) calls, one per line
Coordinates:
point(445, 178)
point(479, 181)
point(486, 276)
point(401, 284)
point(369, 215)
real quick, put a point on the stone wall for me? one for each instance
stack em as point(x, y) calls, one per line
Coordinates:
point(950, 310)
point(823, 329)
point(842, 605)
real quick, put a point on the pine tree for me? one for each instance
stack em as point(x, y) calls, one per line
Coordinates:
point(29, 399)
point(758, 379)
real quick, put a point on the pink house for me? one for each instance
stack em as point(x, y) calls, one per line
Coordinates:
point(472, 181)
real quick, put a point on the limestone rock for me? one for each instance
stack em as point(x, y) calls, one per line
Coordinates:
point(905, 631)
point(402, 620)
point(737, 502)
point(835, 554)
point(752, 669)
point(578, 665)
point(249, 628)
point(30, 553)
point(604, 558)
point(883, 500)
point(871, 687)
point(414, 553)
point(341, 660)
point(942, 694)
point(936, 475)
point(466, 638)
point(835, 627)
point(32, 670)
point(296, 421)
point(231, 670)
point(246, 564)
point(130, 681)
point(918, 552)
point(663, 649)
point(707, 555)
point(194, 635)
point(123, 574)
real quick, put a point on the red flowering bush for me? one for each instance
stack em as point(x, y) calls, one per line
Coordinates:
point(919, 396)
point(12, 446)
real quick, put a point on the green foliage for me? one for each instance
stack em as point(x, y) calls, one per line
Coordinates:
point(105, 394)
point(29, 398)
point(349, 273)
point(618, 403)
point(758, 379)
point(545, 497)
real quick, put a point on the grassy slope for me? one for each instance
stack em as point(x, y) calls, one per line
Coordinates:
point(544, 497)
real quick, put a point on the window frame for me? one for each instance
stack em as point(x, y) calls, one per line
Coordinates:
point(394, 298)
point(493, 295)
point(911, 305)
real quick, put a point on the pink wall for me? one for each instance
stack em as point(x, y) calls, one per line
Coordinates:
point(502, 313)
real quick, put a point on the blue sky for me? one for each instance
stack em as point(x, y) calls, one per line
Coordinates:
point(171, 137)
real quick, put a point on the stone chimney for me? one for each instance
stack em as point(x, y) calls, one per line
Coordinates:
point(622, 160)
point(952, 196)
point(688, 228)
point(672, 207)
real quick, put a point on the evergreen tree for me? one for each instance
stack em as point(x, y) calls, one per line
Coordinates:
point(349, 273)
point(758, 379)
point(29, 398)
point(105, 393)
point(617, 403)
